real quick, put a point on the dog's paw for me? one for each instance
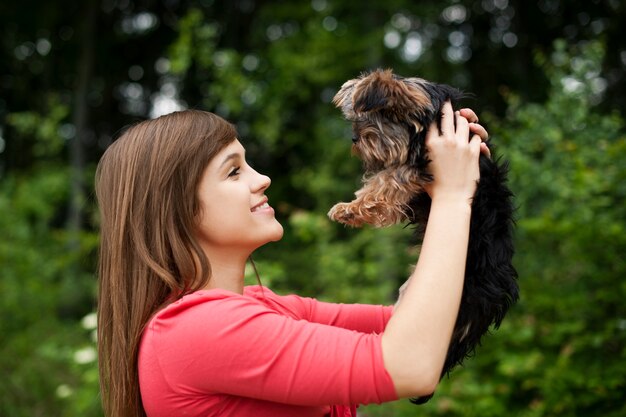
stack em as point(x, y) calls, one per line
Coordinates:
point(344, 213)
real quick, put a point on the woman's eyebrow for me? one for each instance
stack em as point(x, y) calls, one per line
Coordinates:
point(230, 157)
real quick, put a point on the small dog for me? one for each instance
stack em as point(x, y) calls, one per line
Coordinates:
point(390, 116)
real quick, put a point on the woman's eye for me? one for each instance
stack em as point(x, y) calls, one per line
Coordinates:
point(234, 172)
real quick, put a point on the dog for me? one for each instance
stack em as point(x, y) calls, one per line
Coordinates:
point(390, 116)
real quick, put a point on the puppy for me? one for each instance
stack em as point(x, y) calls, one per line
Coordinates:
point(390, 116)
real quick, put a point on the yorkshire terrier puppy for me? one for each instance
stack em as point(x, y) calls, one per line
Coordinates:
point(390, 116)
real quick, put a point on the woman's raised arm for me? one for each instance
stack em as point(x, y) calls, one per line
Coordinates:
point(416, 339)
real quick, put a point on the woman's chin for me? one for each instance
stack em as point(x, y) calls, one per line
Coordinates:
point(279, 233)
point(273, 235)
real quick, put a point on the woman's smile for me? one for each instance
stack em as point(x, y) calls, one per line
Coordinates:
point(263, 207)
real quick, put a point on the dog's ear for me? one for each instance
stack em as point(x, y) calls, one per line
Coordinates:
point(381, 90)
point(344, 95)
point(343, 98)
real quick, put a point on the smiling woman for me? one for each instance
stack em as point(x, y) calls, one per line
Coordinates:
point(179, 334)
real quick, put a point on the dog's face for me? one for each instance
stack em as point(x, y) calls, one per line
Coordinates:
point(385, 110)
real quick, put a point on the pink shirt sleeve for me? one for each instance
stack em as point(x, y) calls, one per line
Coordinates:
point(221, 342)
point(364, 318)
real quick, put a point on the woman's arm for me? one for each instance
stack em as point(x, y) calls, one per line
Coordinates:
point(364, 318)
point(416, 339)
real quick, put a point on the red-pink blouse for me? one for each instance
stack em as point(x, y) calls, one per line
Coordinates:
point(218, 353)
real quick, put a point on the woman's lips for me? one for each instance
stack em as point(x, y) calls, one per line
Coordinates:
point(261, 207)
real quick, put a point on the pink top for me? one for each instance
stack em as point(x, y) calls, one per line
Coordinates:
point(218, 353)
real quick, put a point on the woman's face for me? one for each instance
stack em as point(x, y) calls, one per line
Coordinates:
point(235, 214)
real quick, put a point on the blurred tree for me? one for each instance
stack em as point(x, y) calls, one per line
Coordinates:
point(73, 73)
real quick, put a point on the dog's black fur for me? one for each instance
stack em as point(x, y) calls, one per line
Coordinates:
point(490, 285)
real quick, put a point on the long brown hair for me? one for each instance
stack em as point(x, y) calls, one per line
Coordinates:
point(146, 186)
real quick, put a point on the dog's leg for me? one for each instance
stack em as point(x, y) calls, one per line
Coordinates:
point(382, 201)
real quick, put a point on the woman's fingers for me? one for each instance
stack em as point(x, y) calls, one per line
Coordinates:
point(484, 149)
point(456, 125)
point(447, 118)
point(462, 126)
point(469, 115)
point(479, 130)
point(475, 127)
point(448, 122)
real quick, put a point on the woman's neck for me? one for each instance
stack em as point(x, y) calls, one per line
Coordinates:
point(227, 272)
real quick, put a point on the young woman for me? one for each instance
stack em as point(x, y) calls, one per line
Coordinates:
point(180, 335)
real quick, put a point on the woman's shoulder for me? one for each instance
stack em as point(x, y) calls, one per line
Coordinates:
point(291, 305)
point(212, 300)
point(207, 308)
point(259, 291)
point(197, 300)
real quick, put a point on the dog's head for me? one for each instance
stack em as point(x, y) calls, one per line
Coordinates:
point(386, 110)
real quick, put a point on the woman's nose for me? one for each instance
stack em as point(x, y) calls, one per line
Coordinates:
point(261, 182)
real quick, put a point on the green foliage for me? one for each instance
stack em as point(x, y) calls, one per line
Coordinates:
point(560, 352)
point(42, 297)
point(44, 130)
point(569, 164)
point(195, 42)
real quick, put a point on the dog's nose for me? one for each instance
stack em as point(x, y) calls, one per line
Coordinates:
point(355, 138)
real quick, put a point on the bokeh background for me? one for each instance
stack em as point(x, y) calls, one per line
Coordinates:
point(548, 81)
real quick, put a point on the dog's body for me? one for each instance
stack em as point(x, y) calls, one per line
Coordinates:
point(390, 116)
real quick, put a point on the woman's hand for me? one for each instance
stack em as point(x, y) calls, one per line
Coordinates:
point(477, 129)
point(454, 159)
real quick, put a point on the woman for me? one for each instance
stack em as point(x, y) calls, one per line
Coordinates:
point(179, 334)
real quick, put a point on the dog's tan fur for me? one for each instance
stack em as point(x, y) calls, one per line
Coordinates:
point(383, 145)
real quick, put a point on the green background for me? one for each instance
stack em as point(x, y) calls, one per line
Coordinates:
point(548, 82)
